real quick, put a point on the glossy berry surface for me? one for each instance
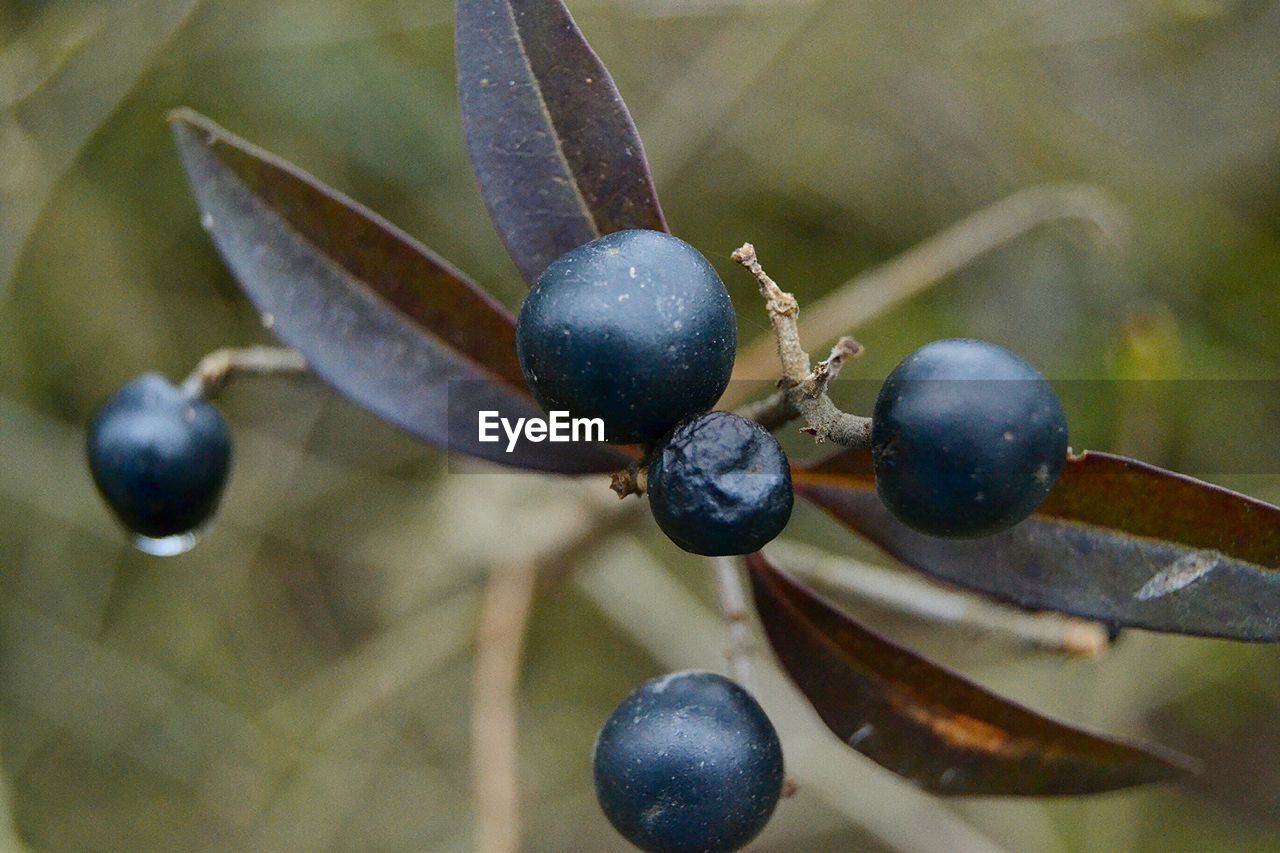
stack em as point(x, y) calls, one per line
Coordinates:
point(635, 328)
point(719, 484)
point(688, 762)
point(160, 458)
point(967, 439)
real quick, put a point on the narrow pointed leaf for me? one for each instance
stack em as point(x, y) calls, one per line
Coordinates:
point(928, 724)
point(380, 318)
point(554, 148)
point(1119, 541)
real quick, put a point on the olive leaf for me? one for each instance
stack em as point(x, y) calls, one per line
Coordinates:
point(1117, 540)
point(378, 316)
point(928, 724)
point(556, 153)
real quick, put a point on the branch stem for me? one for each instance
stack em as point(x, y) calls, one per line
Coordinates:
point(783, 313)
point(917, 597)
point(217, 369)
point(876, 291)
point(732, 597)
point(500, 641)
point(803, 389)
point(773, 412)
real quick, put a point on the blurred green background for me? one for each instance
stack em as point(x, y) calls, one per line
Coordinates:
point(300, 680)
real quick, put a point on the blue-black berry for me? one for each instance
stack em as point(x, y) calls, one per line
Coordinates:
point(635, 328)
point(967, 439)
point(159, 457)
point(688, 762)
point(719, 484)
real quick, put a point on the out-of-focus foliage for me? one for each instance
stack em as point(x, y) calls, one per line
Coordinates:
point(300, 680)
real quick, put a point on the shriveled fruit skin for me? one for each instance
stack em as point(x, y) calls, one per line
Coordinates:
point(720, 484)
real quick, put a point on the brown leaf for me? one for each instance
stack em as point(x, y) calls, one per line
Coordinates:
point(928, 724)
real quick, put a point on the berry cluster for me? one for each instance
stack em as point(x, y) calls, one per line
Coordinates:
point(637, 329)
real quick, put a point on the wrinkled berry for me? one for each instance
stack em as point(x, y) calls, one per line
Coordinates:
point(719, 484)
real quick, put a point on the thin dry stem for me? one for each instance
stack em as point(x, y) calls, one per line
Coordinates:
point(803, 390)
point(827, 371)
point(500, 641)
point(772, 413)
point(732, 597)
point(740, 648)
point(905, 593)
point(874, 292)
point(217, 369)
point(783, 312)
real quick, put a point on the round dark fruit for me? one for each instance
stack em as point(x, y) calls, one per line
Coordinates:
point(634, 328)
point(719, 484)
point(967, 439)
point(159, 457)
point(688, 762)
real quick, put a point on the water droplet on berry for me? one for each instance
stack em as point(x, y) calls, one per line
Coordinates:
point(167, 546)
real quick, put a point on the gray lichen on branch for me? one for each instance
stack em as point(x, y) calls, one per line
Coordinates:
point(803, 389)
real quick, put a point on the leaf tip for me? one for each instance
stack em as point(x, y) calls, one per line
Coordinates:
point(189, 126)
point(184, 115)
point(1175, 765)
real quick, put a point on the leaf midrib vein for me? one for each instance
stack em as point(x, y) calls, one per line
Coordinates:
point(536, 85)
